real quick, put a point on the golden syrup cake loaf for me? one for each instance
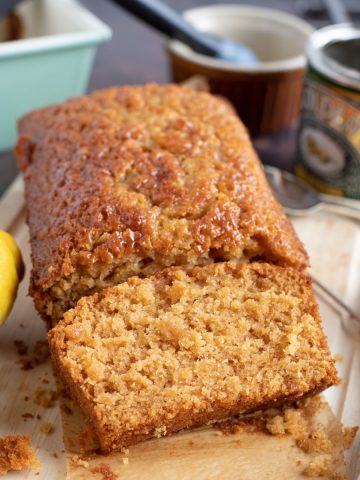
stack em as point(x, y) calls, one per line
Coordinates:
point(130, 180)
point(184, 347)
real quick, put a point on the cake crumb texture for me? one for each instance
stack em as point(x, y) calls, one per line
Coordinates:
point(44, 397)
point(319, 466)
point(78, 461)
point(105, 471)
point(46, 427)
point(130, 180)
point(349, 434)
point(298, 423)
point(16, 453)
point(185, 347)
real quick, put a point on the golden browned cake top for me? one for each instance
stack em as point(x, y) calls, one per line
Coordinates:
point(150, 171)
point(158, 354)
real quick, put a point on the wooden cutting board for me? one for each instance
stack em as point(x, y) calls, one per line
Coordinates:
point(223, 451)
point(27, 385)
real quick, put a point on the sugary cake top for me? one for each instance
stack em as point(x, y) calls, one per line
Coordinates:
point(152, 171)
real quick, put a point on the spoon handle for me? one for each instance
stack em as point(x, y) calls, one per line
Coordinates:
point(337, 11)
point(341, 206)
point(170, 22)
point(351, 202)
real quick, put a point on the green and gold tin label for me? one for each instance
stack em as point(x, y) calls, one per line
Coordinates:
point(328, 153)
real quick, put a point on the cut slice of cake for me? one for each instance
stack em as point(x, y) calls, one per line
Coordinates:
point(183, 348)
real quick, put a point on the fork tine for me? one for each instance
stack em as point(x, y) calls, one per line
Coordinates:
point(336, 299)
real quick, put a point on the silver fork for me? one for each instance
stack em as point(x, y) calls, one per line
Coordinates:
point(299, 199)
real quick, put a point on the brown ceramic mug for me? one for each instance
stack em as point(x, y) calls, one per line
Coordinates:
point(11, 27)
point(267, 96)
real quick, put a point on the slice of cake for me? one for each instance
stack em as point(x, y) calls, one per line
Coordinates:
point(182, 348)
point(130, 180)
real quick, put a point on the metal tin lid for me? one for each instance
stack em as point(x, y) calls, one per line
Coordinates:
point(334, 52)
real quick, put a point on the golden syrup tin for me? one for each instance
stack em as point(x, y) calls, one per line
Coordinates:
point(328, 149)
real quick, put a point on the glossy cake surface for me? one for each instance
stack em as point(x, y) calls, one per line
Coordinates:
point(130, 180)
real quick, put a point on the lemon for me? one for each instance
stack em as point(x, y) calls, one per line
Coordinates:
point(11, 273)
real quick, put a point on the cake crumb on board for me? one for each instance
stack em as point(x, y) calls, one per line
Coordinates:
point(21, 347)
point(293, 421)
point(46, 427)
point(77, 461)
point(44, 397)
point(16, 453)
point(349, 434)
point(319, 466)
point(106, 472)
point(27, 415)
point(38, 355)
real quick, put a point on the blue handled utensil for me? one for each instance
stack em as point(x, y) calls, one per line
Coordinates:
point(7, 6)
point(168, 21)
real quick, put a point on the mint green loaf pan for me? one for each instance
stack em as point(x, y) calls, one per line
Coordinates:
point(52, 62)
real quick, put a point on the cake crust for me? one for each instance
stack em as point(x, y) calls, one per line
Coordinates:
point(131, 180)
point(184, 348)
